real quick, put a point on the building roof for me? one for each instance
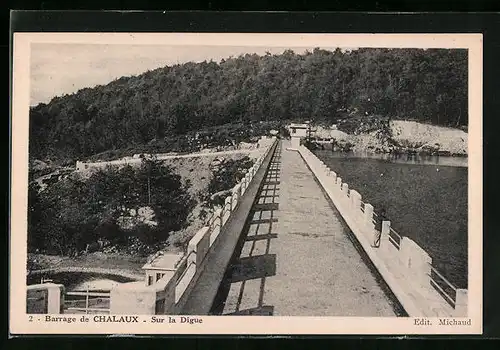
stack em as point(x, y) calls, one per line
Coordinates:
point(164, 261)
point(299, 125)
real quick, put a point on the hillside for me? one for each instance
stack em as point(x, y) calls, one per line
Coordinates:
point(153, 110)
point(132, 210)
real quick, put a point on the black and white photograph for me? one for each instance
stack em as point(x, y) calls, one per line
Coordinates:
point(169, 179)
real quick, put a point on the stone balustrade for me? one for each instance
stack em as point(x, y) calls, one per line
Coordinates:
point(403, 264)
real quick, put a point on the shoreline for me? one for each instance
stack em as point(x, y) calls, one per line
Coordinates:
point(398, 138)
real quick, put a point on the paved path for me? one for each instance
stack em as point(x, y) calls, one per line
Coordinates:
point(92, 270)
point(297, 259)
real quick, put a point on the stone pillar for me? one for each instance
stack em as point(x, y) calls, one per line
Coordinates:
point(368, 215)
point(356, 203)
point(55, 295)
point(236, 196)
point(386, 226)
point(345, 188)
point(416, 260)
point(48, 299)
point(215, 225)
point(243, 186)
point(461, 302)
point(339, 183)
point(199, 245)
point(226, 212)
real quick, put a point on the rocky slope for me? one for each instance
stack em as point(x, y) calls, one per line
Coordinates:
point(403, 136)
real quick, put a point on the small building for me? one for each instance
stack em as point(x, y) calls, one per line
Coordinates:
point(80, 166)
point(160, 265)
point(298, 131)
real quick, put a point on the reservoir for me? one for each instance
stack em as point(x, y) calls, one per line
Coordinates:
point(425, 198)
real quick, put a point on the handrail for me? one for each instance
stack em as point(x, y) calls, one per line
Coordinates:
point(391, 230)
point(90, 294)
point(440, 288)
point(392, 234)
point(71, 304)
point(442, 292)
point(433, 269)
point(107, 310)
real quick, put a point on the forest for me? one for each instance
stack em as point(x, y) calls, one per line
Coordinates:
point(159, 106)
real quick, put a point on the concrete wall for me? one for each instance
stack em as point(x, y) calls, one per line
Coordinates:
point(46, 298)
point(263, 142)
point(405, 268)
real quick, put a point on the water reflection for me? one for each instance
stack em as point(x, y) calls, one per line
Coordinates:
point(416, 159)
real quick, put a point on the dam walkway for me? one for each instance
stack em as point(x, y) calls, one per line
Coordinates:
point(291, 239)
point(297, 259)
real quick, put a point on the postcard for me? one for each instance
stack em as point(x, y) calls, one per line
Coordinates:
point(229, 183)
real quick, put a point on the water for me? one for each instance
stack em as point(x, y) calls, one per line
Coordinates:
point(424, 197)
point(416, 159)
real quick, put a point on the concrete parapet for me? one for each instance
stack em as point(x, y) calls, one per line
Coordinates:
point(236, 196)
point(384, 234)
point(199, 244)
point(345, 188)
point(169, 297)
point(226, 210)
point(243, 184)
point(368, 215)
point(45, 298)
point(133, 299)
point(215, 225)
point(416, 259)
point(356, 202)
point(461, 302)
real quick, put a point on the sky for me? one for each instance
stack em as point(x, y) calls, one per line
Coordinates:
point(58, 69)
